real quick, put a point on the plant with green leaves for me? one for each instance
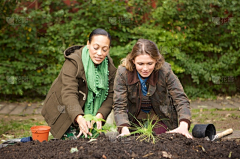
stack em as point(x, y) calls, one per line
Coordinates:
point(95, 132)
point(105, 128)
point(145, 129)
point(200, 39)
point(109, 127)
point(33, 39)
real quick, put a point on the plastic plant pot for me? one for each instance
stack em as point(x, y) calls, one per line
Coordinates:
point(203, 130)
point(40, 133)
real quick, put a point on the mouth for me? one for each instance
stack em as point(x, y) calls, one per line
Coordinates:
point(145, 73)
point(98, 59)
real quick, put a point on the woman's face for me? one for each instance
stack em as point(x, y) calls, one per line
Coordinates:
point(98, 48)
point(145, 64)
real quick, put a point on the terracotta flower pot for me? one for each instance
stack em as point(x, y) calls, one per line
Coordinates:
point(40, 133)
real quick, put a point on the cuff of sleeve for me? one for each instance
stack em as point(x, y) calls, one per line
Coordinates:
point(121, 126)
point(75, 120)
point(187, 121)
point(73, 115)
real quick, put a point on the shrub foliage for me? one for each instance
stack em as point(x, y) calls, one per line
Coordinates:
point(197, 38)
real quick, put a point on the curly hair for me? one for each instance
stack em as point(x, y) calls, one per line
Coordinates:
point(143, 46)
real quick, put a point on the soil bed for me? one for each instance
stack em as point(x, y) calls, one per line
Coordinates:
point(167, 146)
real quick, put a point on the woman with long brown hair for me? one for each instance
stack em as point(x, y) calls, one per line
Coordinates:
point(146, 87)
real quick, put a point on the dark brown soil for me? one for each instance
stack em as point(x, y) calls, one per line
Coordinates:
point(167, 146)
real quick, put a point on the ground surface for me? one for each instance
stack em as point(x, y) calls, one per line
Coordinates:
point(222, 119)
point(167, 146)
point(224, 113)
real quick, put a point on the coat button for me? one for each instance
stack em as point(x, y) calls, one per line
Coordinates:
point(148, 93)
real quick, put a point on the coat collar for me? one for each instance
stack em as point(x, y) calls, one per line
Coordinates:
point(132, 77)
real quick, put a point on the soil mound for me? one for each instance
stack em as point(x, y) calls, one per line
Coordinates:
point(166, 146)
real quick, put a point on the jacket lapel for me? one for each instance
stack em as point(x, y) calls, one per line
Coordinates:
point(132, 77)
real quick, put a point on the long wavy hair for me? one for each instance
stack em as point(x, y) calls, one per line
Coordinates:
point(143, 46)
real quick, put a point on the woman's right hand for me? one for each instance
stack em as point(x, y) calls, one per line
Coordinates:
point(125, 132)
point(83, 126)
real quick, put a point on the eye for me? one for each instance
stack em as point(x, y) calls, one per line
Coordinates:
point(105, 49)
point(140, 63)
point(150, 63)
point(96, 48)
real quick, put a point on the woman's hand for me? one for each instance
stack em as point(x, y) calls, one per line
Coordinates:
point(83, 126)
point(125, 132)
point(182, 129)
point(99, 123)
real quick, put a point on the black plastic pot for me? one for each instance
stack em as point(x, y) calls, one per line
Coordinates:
point(203, 130)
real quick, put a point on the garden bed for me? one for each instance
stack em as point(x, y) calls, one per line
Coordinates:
point(166, 146)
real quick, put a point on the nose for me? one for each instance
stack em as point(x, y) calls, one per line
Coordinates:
point(145, 67)
point(99, 52)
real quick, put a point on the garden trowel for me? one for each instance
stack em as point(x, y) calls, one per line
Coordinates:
point(14, 141)
point(220, 135)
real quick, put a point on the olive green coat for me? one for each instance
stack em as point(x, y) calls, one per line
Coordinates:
point(166, 93)
point(68, 93)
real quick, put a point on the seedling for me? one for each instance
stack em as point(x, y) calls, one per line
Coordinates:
point(110, 127)
point(94, 130)
point(145, 129)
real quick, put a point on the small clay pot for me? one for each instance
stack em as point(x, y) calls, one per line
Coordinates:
point(40, 133)
point(203, 130)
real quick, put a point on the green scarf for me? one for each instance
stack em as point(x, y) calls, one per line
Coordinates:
point(97, 82)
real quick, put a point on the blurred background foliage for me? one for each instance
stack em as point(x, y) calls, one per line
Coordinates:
point(200, 39)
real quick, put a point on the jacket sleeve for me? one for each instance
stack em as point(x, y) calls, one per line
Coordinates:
point(120, 99)
point(106, 106)
point(180, 99)
point(70, 89)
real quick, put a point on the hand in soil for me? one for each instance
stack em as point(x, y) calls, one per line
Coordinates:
point(125, 132)
point(182, 129)
point(83, 126)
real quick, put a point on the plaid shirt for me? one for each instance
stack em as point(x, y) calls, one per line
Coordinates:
point(164, 89)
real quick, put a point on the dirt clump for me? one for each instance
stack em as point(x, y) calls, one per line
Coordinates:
point(166, 146)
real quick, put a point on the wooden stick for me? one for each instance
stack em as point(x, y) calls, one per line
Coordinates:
point(224, 133)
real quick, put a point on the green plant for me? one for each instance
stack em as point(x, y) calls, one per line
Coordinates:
point(105, 128)
point(109, 127)
point(203, 54)
point(145, 129)
point(95, 132)
point(33, 39)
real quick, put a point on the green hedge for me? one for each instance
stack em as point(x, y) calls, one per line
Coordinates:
point(200, 42)
point(202, 51)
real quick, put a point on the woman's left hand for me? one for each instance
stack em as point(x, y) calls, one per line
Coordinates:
point(182, 129)
point(99, 123)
